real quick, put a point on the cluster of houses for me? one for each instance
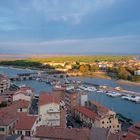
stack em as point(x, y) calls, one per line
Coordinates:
point(64, 66)
point(50, 122)
point(16, 117)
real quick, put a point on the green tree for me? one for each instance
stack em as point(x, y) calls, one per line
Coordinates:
point(136, 78)
point(75, 66)
point(84, 68)
point(124, 74)
point(94, 68)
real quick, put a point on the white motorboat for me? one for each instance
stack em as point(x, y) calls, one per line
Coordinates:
point(91, 88)
point(135, 98)
point(58, 87)
point(100, 91)
point(22, 86)
point(126, 97)
point(69, 87)
point(113, 94)
point(131, 98)
point(87, 88)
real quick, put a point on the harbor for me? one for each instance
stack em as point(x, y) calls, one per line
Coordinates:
point(59, 81)
point(127, 108)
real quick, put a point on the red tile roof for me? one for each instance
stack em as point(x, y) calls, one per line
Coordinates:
point(21, 104)
point(135, 128)
point(100, 107)
point(25, 121)
point(88, 113)
point(46, 98)
point(62, 133)
point(3, 77)
point(24, 90)
point(8, 115)
point(112, 136)
point(130, 136)
point(63, 118)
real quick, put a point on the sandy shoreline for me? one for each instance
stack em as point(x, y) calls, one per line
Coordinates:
point(125, 82)
point(93, 75)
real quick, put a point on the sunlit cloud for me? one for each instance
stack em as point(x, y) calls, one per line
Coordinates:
point(92, 24)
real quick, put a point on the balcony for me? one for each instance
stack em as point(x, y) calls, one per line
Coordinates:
point(53, 111)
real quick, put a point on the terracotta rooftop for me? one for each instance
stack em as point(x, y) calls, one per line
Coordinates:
point(21, 104)
point(25, 121)
point(102, 134)
point(24, 90)
point(98, 134)
point(62, 133)
point(112, 136)
point(100, 107)
point(137, 124)
point(3, 77)
point(76, 133)
point(63, 118)
point(87, 112)
point(46, 98)
point(8, 115)
point(135, 128)
point(130, 136)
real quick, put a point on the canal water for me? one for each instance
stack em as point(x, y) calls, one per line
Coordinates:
point(127, 108)
point(38, 86)
point(111, 83)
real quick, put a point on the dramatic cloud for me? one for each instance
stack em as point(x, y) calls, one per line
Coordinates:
point(75, 23)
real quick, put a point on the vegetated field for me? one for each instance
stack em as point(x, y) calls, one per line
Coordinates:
point(23, 63)
point(81, 59)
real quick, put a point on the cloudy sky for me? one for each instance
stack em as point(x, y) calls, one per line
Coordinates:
point(70, 26)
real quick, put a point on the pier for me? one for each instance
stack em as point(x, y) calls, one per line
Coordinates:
point(122, 91)
point(91, 84)
point(24, 76)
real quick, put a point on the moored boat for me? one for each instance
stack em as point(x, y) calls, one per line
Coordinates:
point(131, 98)
point(69, 87)
point(87, 88)
point(113, 94)
point(126, 97)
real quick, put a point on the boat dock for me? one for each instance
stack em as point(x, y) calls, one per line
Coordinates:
point(124, 92)
point(91, 84)
point(45, 78)
point(121, 91)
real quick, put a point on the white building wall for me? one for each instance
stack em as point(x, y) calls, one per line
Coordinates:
point(50, 114)
point(21, 96)
point(137, 72)
point(8, 128)
point(4, 85)
point(83, 99)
